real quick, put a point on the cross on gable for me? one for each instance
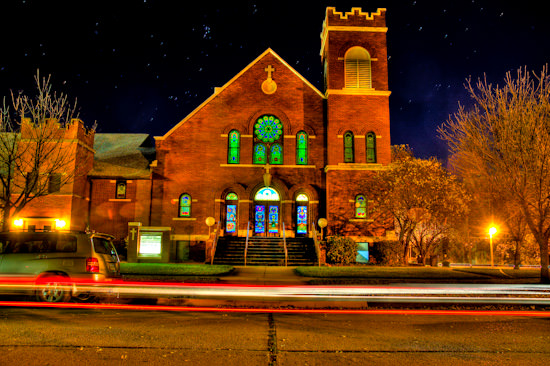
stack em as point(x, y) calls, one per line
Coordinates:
point(269, 69)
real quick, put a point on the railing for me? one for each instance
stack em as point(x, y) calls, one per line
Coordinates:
point(246, 244)
point(317, 248)
point(215, 243)
point(284, 244)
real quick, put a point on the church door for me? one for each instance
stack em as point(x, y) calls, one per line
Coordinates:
point(266, 212)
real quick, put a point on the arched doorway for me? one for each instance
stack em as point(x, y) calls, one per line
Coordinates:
point(266, 212)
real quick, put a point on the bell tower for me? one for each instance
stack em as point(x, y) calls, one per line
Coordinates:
point(354, 56)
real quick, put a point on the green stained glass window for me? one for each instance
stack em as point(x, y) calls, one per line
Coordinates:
point(268, 128)
point(348, 147)
point(371, 147)
point(276, 156)
point(234, 147)
point(185, 205)
point(301, 148)
point(360, 207)
point(231, 197)
point(259, 154)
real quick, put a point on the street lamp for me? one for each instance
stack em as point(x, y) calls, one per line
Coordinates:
point(492, 231)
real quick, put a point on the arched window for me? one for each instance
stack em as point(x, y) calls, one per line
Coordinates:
point(371, 147)
point(358, 70)
point(360, 207)
point(276, 156)
point(268, 132)
point(267, 194)
point(185, 205)
point(348, 147)
point(234, 147)
point(301, 214)
point(259, 154)
point(301, 148)
point(231, 212)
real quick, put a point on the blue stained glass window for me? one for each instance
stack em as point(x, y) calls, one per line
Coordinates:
point(267, 194)
point(273, 219)
point(231, 219)
point(301, 220)
point(268, 128)
point(259, 219)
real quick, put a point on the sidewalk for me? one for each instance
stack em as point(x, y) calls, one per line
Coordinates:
point(264, 275)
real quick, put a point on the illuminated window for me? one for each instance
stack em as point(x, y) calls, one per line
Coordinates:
point(267, 194)
point(358, 68)
point(301, 148)
point(231, 197)
point(231, 212)
point(276, 156)
point(259, 154)
point(371, 147)
point(348, 147)
point(301, 214)
point(185, 206)
point(121, 189)
point(360, 207)
point(234, 147)
point(268, 140)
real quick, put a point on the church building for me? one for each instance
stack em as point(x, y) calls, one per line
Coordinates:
point(267, 155)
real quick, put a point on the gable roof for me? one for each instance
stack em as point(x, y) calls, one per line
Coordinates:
point(124, 155)
point(220, 89)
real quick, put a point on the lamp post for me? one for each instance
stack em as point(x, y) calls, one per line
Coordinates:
point(492, 231)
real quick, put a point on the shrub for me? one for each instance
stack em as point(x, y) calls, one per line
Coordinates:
point(386, 253)
point(341, 250)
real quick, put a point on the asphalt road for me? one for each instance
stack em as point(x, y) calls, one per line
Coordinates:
point(121, 337)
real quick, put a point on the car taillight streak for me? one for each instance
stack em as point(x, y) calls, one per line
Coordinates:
point(92, 265)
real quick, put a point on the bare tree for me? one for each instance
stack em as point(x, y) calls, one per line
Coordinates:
point(35, 157)
point(505, 140)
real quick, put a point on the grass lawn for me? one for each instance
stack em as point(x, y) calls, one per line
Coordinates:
point(174, 269)
point(415, 273)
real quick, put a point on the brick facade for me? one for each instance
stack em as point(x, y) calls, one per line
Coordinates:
point(192, 157)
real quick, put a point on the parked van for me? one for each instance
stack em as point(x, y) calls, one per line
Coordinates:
point(59, 265)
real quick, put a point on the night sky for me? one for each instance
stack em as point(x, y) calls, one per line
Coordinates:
point(142, 66)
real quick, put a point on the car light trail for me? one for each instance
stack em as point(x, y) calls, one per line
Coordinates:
point(276, 310)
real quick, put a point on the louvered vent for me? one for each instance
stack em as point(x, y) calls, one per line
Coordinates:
point(358, 68)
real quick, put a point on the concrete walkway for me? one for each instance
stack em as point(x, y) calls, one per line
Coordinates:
point(264, 275)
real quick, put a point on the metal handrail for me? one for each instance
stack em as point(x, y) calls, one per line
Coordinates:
point(246, 244)
point(284, 243)
point(317, 248)
point(215, 243)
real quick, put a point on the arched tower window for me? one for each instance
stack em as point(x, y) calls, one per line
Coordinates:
point(360, 207)
point(234, 147)
point(301, 148)
point(268, 140)
point(371, 147)
point(184, 205)
point(348, 147)
point(358, 68)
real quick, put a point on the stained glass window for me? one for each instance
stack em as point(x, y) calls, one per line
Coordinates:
point(121, 189)
point(259, 219)
point(268, 128)
point(301, 219)
point(259, 154)
point(233, 151)
point(231, 197)
point(301, 148)
point(185, 205)
point(301, 198)
point(360, 207)
point(267, 194)
point(273, 223)
point(276, 156)
point(371, 147)
point(348, 147)
point(231, 219)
